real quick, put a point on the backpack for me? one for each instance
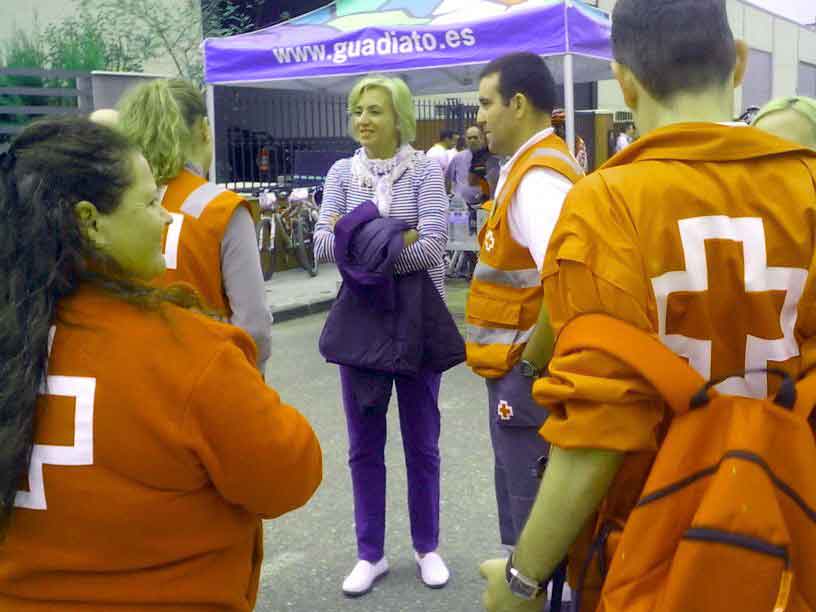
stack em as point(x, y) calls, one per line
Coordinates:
point(727, 517)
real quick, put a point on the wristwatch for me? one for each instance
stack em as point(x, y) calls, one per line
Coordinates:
point(522, 586)
point(528, 369)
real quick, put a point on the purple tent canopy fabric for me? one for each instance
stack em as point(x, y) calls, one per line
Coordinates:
point(313, 47)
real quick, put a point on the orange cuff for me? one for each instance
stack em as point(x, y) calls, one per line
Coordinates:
point(619, 427)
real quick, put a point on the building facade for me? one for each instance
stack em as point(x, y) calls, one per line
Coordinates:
point(782, 58)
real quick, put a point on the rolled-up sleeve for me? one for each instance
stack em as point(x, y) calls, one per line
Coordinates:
point(593, 265)
point(333, 205)
point(432, 225)
point(595, 401)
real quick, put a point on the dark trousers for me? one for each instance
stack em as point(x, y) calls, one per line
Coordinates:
point(420, 426)
point(515, 419)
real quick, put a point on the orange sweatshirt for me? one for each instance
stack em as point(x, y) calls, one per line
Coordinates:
point(703, 234)
point(158, 450)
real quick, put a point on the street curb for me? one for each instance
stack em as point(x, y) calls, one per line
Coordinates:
point(301, 310)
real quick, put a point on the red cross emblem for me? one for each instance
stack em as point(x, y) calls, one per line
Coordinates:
point(708, 312)
point(505, 411)
point(489, 241)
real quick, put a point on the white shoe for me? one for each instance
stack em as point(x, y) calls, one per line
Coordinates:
point(432, 570)
point(363, 576)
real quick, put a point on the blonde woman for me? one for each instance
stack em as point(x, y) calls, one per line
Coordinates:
point(405, 185)
point(790, 118)
point(211, 241)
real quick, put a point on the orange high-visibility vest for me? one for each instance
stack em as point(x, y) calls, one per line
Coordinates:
point(505, 294)
point(192, 247)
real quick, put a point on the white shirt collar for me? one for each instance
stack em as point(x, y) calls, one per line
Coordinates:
point(534, 140)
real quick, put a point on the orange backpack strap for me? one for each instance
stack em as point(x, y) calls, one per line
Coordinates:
point(673, 378)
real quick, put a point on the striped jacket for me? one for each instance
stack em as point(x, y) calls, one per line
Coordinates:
point(418, 198)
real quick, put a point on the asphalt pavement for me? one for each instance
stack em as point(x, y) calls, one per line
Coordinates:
point(310, 551)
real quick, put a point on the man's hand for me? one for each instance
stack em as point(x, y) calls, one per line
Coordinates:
point(410, 237)
point(497, 596)
point(333, 221)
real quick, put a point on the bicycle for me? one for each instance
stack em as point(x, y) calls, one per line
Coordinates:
point(295, 215)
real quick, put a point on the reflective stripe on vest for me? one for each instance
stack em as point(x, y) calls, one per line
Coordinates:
point(197, 201)
point(506, 292)
point(567, 159)
point(518, 279)
point(497, 335)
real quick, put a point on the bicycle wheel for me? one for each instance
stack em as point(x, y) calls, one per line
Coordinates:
point(266, 248)
point(303, 241)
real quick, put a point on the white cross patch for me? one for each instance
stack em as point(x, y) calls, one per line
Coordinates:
point(505, 411)
point(758, 277)
point(490, 241)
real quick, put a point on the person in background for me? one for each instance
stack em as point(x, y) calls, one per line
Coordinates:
point(440, 152)
point(458, 174)
point(517, 95)
point(405, 185)
point(625, 138)
point(559, 121)
point(484, 172)
point(211, 242)
point(793, 119)
point(140, 446)
point(697, 233)
point(458, 147)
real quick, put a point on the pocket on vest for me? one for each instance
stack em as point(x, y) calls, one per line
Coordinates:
point(485, 310)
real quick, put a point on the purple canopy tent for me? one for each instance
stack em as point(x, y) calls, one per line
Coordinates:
point(436, 46)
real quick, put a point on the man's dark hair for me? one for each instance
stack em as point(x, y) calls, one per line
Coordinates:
point(674, 45)
point(527, 74)
point(445, 135)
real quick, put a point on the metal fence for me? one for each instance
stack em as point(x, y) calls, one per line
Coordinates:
point(28, 93)
point(265, 137)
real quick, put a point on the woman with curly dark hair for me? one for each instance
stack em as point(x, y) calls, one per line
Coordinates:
point(139, 446)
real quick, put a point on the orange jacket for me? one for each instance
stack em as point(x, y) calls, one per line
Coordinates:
point(159, 450)
point(703, 234)
point(505, 294)
point(201, 212)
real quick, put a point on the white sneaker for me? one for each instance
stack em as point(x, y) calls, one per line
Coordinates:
point(432, 570)
point(363, 576)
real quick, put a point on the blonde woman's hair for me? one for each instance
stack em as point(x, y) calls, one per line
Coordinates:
point(400, 96)
point(159, 117)
point(801, 104)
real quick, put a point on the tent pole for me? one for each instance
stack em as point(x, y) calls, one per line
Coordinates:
point(210, 99)
point(569, 101)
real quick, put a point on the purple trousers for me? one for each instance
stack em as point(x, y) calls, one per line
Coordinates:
point(420, 425)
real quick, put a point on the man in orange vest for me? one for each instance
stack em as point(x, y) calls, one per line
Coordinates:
point(516, 98)
point(701, 232)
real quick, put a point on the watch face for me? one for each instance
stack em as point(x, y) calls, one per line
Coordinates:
point(520, 588)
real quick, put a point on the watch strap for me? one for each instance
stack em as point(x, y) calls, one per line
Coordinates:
point(508, 574)
point(529, 369)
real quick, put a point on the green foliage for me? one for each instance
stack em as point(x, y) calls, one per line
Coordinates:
point(22, 50)
point(172, 29)
point(77, 44)
point(117, 35)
